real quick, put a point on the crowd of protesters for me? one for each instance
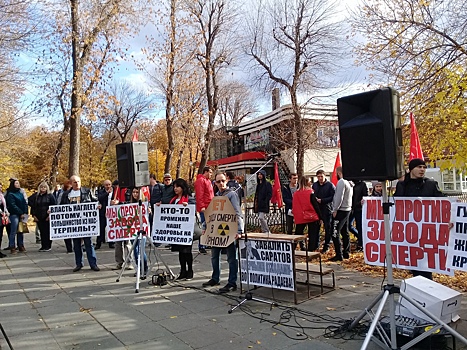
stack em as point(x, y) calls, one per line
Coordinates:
point(308, 206)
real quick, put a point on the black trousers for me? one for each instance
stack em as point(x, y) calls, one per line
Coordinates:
point(340, 228)
point(44, 228)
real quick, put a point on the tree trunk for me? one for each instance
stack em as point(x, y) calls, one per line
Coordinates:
point(170, 89)
point(58, 153)
point(300, 151)
point(73, 166)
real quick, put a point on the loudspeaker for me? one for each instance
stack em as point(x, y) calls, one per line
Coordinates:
point(371, 136)
point(132, 164)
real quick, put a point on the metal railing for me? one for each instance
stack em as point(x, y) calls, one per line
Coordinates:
point(462, 197)
point(275, 219)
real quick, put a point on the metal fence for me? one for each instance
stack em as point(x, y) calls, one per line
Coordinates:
point(275, 218)
point(462, 197)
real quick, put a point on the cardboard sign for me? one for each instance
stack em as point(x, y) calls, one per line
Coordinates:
point(123, 221)
point(270, 263)
point(419, 233)
point(457, 252)
point(74, 220)
point(221, 223)
point(173, 224)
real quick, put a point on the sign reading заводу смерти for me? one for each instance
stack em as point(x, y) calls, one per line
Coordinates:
point(173, 224)
point(74, 220)
point(123, 221)
point(269, 263)
point(419, 229)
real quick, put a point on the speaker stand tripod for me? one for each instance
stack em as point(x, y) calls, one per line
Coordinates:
point(248, 293)
point(142, 249)
point(387, 295)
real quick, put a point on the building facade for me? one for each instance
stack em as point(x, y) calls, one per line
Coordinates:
point(246, 148)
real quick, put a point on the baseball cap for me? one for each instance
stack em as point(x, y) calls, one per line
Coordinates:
point(167, 175)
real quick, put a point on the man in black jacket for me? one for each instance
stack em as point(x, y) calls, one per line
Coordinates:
point(415, 184)
point(324, 191)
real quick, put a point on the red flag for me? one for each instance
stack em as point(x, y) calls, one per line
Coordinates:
point(135, 136)
point(415, 147)
point(276, 189)
point(116, 192)
point(146, 194)
point(337, 164)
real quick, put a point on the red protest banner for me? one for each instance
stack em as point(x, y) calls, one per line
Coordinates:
point(419, 233)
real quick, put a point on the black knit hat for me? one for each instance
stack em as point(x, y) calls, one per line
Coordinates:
point(415, 163)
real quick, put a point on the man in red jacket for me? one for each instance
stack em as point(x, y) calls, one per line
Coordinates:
point(203, 193)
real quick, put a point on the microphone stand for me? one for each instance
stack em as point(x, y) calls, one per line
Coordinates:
point(248, 293)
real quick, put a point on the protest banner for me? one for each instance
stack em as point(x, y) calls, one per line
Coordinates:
point(74, 220)
point(457, 252)
point(221, 223)
point(173, 224)
point(270, 263)
point(419, 233)
point(123, 221)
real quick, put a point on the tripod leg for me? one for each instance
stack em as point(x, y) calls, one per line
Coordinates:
point(366, 310)
point(127, 259)
point(375, 319)
point(139, 264)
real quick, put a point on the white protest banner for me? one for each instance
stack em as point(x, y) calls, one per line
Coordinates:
point(74, 220)
point(221, 223)
point(457, 252)
point(173, 224)
point(270, 263)
point(123, 221)
point(419, 233)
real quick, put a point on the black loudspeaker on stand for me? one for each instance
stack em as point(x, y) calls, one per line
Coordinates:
point(371, 136)
point(371, 148)
point(132, 164)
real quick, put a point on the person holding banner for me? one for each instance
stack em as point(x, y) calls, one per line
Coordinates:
point(78, 194)
point(377, 189)
point(135, 196)
point(221, 182)
point(107, 196)
point(185, 256)
point(68, 241)
point(415, 184)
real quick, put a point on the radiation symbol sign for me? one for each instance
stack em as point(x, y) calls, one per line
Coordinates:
point(223, 229)
point(221, 223)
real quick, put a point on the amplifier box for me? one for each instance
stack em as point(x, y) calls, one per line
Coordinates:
point(441, 301)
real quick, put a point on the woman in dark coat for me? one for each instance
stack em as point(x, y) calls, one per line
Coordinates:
point(185, 256)
point(18, 209)
point(39, 211)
